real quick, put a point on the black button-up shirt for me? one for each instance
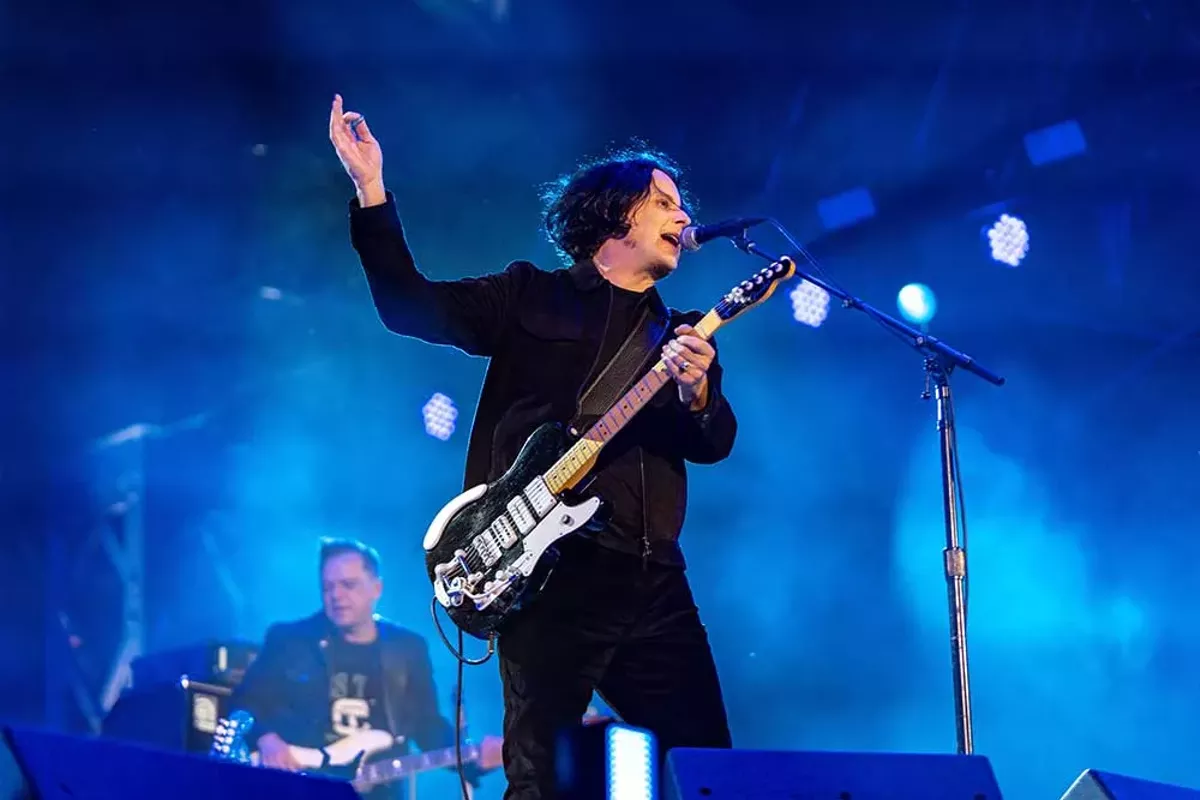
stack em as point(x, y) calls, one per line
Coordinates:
point(546, 335)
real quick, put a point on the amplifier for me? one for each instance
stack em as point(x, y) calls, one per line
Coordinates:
point(180, 716)
point(212, 662)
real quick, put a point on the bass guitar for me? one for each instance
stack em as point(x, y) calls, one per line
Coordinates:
point(484, 551)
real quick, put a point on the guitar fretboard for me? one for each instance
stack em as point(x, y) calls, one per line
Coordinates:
point(380, 772)
point(574, 464)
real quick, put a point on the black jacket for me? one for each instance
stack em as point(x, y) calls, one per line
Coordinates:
point(286, 688)
point(542, 332)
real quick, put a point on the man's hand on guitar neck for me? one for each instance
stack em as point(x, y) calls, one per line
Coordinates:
point(688, 358)
point(273, 751)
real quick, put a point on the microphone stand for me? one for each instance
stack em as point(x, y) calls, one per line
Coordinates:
point(939, 361)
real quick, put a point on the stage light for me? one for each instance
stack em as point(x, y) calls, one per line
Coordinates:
point(846, 209)
point(1009, 240)
point(1055, 143)
point(810, 303)
point(440, 414)
point(917, 303)
point(632, 755)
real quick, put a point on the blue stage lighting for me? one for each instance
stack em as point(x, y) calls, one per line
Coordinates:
point(440, 415)
point(810, 303)
point(917, 303)
point(1055, 143)
point(1009, 240)
point(632, 758)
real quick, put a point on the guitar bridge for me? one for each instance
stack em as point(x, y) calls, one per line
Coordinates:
point(493, 589)
point(452, 592)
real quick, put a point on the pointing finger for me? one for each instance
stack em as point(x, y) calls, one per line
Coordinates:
point(335, 117)
point(335, 111)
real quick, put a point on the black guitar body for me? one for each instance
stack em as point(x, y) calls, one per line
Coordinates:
point(457, 542)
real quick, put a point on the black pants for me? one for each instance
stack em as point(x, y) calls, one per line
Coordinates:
point(605, 622)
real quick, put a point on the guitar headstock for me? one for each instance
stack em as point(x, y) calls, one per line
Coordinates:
point(229, 739)
point(755, 289)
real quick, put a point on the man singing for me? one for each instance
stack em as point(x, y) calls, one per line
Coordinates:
point(345, 670)
point(617, 615)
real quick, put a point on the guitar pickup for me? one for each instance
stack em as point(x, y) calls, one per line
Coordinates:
point(504, 532)
point(487, 547)
point(539, 497)
point(524, 519)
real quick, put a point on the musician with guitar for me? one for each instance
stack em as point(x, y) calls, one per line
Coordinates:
point(576, 607)
point(345, 681)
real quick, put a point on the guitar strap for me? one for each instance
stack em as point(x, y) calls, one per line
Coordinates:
point(623, 368)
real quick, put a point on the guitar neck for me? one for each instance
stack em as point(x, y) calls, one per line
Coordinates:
point(388, 770)
point(574, 465)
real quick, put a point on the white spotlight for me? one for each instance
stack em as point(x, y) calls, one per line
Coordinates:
point(1009, 240)
point(810, 303)
point(917, 303)
point(440, 414)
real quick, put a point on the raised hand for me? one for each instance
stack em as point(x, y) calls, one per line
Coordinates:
point(358, 151)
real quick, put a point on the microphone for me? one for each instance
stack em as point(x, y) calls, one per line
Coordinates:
point(695, 235)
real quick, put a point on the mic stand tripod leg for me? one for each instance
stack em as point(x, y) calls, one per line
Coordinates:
point(955, 554)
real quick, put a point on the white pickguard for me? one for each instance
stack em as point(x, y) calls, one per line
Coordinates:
point(434, 533)
point(558, 522)
point(341, 752)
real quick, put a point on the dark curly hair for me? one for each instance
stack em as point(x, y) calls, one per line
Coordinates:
point(592, 204)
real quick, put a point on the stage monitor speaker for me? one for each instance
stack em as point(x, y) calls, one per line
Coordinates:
point(1096, 785)
point(55, 766)
point(704, 774)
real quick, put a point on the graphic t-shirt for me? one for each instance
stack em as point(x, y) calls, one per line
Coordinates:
point(355, 689)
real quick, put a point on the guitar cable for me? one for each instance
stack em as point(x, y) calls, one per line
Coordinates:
point(458, 719)
point(474, 662)
point(458, 698)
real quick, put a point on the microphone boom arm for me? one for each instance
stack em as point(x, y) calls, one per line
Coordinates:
point(931, 345)
point(939, 360)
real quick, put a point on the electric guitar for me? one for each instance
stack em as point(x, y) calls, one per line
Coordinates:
point(343, 758)
point(484, 550)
